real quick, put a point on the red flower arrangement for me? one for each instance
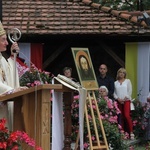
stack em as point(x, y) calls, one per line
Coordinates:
point(35, 76)
point(14, 140)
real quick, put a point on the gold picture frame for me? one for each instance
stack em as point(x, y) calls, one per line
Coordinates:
point(84, 68)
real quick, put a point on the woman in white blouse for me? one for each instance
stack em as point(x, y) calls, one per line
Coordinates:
point(122, 93)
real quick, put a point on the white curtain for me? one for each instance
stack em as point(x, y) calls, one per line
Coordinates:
point(57, 116)
point(57, 122)
point(143, 71)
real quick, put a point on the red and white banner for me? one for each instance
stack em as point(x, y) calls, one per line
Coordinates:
point(32, 53)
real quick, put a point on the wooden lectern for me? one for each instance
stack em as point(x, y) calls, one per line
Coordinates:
point(32, 111)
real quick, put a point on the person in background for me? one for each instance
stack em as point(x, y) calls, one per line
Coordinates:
point(7, 76)
point(104, 80)
point(68, 73)
point(122, 94)
point(103, 92)
point(113, 111)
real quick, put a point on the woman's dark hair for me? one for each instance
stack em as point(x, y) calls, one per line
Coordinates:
point(67, 68)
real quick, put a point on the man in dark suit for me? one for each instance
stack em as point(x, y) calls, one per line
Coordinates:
point(104, 79)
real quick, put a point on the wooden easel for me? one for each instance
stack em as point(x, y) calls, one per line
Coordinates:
point(99, 145)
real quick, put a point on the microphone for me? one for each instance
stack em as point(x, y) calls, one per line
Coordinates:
point(41, 81)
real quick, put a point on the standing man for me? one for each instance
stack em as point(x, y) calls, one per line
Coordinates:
point(6, 66)
point(104, 80)
point(7, 76)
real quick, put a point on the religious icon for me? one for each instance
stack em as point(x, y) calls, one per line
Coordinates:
point(85, 68)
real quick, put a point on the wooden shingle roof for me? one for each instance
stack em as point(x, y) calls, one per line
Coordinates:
point(55, 17)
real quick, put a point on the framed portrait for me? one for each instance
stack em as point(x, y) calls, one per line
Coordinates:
point(84, 68)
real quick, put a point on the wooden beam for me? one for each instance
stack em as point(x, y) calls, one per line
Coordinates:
point(111, 53)
point(56, 53)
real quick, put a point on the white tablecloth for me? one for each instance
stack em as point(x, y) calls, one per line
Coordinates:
point(57, 116)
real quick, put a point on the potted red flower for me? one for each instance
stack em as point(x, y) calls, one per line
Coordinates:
point(15, 140)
